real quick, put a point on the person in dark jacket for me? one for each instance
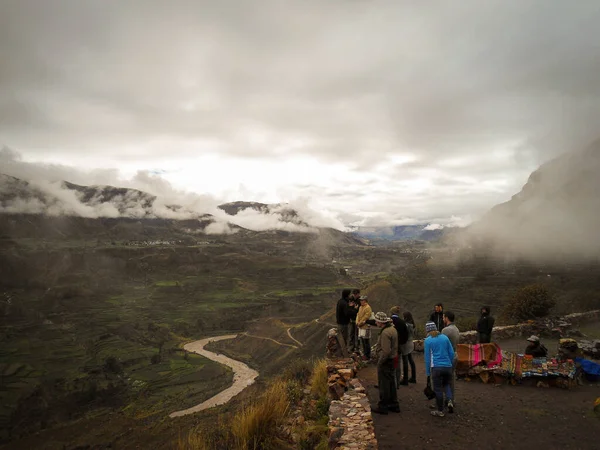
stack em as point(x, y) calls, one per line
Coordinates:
point(536, 348)
point(437, 316)
point(342, 316)
point(485, 326)
point(408, 348)
point(354, 304)
point(402, 331)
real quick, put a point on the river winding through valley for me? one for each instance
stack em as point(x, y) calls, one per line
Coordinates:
point(243, 376)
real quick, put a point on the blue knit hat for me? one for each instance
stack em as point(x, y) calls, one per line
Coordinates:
point(429, 327)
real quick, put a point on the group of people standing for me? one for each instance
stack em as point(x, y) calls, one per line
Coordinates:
point(355, 318)
point(485, 324)
point(395, 346)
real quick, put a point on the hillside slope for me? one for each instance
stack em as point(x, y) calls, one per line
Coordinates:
point(556, 213)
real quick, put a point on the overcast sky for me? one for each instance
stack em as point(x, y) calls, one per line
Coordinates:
point(381, 111)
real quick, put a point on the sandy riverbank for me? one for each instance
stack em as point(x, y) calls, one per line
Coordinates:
point(243, 376)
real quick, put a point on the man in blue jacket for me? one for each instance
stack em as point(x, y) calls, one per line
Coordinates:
point(438, 367)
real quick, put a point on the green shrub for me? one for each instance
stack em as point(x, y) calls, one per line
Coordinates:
point(322, 407)
point(531, 302)
point(313, 436)
point(294, 391)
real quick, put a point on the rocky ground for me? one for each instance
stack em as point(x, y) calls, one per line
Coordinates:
point(489, 416)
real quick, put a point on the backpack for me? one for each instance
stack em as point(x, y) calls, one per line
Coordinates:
point(402, 330)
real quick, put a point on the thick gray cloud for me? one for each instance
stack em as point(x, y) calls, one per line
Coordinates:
point(479, 93)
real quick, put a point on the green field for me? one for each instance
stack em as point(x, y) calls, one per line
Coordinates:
point(91, 331)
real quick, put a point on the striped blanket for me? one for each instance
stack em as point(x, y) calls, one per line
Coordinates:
point(481, 356)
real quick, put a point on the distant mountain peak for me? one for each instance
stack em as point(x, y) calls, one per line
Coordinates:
point(419, 232)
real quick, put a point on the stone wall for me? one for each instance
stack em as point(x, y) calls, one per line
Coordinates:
point(350, 420)
point(548, 327)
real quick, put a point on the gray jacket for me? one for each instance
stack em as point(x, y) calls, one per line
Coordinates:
point(387, 344)
point(454, 335)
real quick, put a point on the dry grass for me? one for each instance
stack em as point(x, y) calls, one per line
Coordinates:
point(255, 426)
point(196, 439)
point(318, 380)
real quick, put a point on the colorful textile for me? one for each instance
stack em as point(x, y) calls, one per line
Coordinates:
point(491, 358)
point(478, 355)
point(543, 367)
point(523, 366)
point(510, 365)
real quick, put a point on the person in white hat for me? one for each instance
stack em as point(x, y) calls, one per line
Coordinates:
point(536, 348)
point(387, 350)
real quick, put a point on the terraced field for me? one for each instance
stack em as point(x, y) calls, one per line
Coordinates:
point(87, 333)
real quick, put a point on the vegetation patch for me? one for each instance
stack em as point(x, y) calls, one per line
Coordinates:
point(284, 416)
point(531, 302)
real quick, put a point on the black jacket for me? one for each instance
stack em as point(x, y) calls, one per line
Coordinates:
point(342, 316)
point(537, 351)
point(438, 319)
point(352, 311)
point(485, 325)
point(402, 330)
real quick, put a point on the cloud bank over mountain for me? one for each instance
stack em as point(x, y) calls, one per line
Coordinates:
point(46, 189)
point(387, 112)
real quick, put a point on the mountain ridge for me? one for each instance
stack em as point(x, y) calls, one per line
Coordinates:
point(556, 212)
point(400, 232)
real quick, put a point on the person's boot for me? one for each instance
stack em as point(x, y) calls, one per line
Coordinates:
point(404, 382)
point(412, 380)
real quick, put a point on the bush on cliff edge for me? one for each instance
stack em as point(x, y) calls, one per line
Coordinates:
point(529, 303)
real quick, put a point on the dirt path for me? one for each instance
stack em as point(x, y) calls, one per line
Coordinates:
point(293, 338)
point(327, 323)
point(488, 416)
point(243, 376)
point(272, 340)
